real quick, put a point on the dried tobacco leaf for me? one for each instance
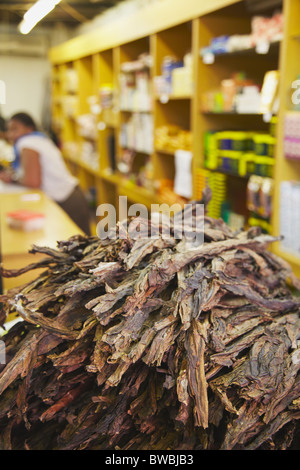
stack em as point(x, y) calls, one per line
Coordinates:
point(154, 344)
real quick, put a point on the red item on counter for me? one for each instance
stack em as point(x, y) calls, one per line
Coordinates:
point(26, 220)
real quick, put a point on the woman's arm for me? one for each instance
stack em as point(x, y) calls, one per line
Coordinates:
point(30, 163)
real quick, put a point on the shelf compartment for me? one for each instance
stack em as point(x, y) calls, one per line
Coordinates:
point(262, 50)
point(175, 112)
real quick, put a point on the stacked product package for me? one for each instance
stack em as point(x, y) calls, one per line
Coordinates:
point(263, 32)
point(218, 184)
point(170, 138)
point(69, 98)
point(240, 152)
point(137, 133)
point(135, 85)
point(292, 135)
point(260, 202)
point(290, 216)
point(237, 93)
point(176, 76)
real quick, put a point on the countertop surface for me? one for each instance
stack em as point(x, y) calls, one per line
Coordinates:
point(57, 225)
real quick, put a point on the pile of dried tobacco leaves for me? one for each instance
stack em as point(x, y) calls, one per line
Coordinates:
point(154, 344)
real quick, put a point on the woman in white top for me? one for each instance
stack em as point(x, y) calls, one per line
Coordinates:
point(39, 164)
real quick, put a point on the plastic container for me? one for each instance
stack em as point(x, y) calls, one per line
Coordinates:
point(182, 81)
point(242, 141)
point(229, 161)
point(25, 220)
point(273, 126)
point(264, 166)
point(210, 142)
point(211, 161)
point(292, 148)
point(223, 140)
point(106, 95)
point(264, 145)
point(210, 150)
point(234, 141)
point(264, 224)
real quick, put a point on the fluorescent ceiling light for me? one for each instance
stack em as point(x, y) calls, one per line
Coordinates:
point(35, 14)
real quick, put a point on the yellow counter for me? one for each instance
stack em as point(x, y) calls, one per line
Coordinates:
point(15, 244)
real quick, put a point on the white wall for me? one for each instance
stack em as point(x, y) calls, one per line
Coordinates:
point(26, 85)
point(27, 78)
point(25, 68)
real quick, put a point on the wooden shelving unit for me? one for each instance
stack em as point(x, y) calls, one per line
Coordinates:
point(231, 20)
point(98, 59)
point(285, 169)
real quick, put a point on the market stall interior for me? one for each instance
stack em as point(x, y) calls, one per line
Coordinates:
point(178, 332)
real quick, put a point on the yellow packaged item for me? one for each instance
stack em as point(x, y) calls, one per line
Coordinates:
point(247, 164)
point(269, 91)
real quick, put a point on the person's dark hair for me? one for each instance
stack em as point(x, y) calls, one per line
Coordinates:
point(2, 124)
point(25, 119)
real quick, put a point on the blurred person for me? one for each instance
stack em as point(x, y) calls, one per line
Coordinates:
point(39, 164)
point(6, 150)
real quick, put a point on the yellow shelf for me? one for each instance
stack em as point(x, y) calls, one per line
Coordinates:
point(164, 98)
point(82, 164)
point(133, 110)
point(110, 177)
point(293, 260)
point(133, 191)
point(165, 151)
point(145, 22)
point(136, 150)
point(290, 257)
point(170, 152)
point(272, 49)
point(137, 193)
point(71, 158)
point(168, 29)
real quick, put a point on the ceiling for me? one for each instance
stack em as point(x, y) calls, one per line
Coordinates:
point(69, 12)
